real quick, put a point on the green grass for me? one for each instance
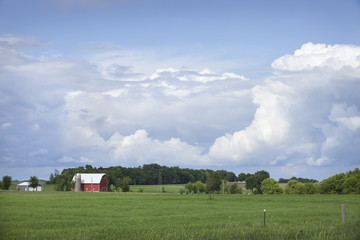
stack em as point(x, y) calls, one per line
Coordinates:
point(87, 215)
point(170, 188)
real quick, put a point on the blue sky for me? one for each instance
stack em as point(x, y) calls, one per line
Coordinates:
point(235, 85)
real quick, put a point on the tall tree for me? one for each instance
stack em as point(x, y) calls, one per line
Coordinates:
point(213, 182)
point(230, 177)
point(242, 177)
point(6, 182)
point(254, 182)
point(51, 179)
point(64, 182)
point(34, 182)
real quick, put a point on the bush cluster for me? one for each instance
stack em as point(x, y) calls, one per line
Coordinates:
point(338, 184)
point(197, 187)
point(342, 183)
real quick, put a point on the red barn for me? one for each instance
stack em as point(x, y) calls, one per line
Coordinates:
point(90, 182)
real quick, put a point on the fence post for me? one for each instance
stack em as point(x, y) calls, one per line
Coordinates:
point(264, 216)
point(343, 213)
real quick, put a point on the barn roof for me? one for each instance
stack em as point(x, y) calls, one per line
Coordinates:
point(26, 184)
point(90, 177)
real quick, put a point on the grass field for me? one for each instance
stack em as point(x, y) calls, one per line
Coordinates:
point(87, 215)
point(171, 188)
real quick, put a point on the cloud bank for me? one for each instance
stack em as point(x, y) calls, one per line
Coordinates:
point(302, 120)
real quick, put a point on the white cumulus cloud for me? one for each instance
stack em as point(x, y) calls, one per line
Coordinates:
point(311, 56)
point(113, 108)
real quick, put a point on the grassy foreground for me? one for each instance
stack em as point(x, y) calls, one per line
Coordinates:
point(86, 215)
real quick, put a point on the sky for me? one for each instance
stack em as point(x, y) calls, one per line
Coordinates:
point(235, 85)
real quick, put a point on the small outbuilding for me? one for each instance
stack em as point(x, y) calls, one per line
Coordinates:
point(90, 182)
point(25, 186)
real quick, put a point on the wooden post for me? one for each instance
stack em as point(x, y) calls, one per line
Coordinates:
point(343, 213)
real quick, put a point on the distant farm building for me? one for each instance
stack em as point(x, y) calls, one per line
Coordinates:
point(90, 182)
point(25, 186)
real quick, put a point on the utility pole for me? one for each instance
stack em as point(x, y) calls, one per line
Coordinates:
point(223, 186)
point(159, 181)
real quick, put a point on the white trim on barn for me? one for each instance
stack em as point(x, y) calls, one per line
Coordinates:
point(25, 186)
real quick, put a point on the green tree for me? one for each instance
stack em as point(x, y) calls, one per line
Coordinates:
point(89, 169)
point(295, 187)
point(51, 179)
point(352, 182)
point(290, 186)
point(64, 183)
point(213, 182)
point(112, 188)
point(230, 177)
point(250, 182)
point(34, 182)
point(299, 189)
point(242, 177)
point(310, 188)
point(56, 176)
point(333, 185)
point(118, 183)
point(125, 184)
point(270, 186)
point(253, 182)
point(222, 173)
point(200, 186)
point(283, 180)
point(233, 188)
point(190, 187)
point(6, 182)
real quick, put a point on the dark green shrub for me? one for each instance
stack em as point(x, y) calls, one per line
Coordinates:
point(233, 188)
point(6, 182)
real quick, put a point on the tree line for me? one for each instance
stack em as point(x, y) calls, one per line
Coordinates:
point(300, 179)
point(203, 180)
point(343, 183)
point(148, 174)
point(151, 174)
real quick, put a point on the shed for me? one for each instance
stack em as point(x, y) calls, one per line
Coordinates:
point(25, 186)
point(91, 182)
